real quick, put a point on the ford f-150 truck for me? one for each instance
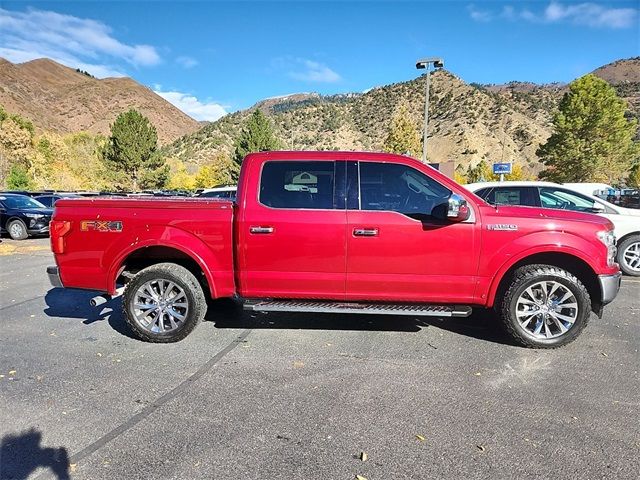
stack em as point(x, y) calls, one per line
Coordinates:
point(339, 232)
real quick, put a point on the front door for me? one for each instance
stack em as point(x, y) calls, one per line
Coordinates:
point(292, 239)
point(400, 247)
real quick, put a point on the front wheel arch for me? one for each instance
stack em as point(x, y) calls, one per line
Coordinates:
point(572, 264)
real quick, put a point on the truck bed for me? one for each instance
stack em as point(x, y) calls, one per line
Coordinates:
point(106, 232)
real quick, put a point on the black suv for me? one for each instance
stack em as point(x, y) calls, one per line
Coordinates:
point(22, 216)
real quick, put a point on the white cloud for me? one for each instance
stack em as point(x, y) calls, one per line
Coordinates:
point(305, 70)
point(193, 107)
point(591, 14)
point(73, 41)
point(314, 72)
point(479, 15)
point(587, 14)
point(187, 62)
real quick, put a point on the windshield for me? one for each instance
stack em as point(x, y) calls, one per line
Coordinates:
point(20, 201)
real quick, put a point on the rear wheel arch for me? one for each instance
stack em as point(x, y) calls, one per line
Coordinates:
point(146, 256)
point(566, 261)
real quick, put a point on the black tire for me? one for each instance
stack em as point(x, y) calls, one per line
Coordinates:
point(185, 280)
point(622, 248)
point(529, 275)
point(17, 229)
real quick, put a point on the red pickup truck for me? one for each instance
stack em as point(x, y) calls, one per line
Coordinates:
point(339, 232)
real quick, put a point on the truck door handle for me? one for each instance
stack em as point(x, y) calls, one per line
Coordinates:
point(365, 232)
point(262, 230)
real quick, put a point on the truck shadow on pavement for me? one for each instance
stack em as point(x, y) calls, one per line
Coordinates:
point(481, 325)
point(21, 454)
point(71, 303)
point(228, 314)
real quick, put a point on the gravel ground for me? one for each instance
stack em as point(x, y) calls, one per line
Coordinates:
point(295, 396)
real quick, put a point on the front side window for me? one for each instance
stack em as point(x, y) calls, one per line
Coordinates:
point(291, 184)
point(400, 188)
point(565, 200)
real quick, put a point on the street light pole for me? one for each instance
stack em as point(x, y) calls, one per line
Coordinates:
point(424, 64)
point(426, 120)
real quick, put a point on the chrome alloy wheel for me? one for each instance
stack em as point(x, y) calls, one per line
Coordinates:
point(546, 310)
point(631, 256)
point(160, 306)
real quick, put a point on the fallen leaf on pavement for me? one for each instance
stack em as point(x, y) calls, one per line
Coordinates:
point(420, 438)
point(363, 456)
point(12, 372)
point(477, 374)
point(604, 354)
point(72, 467)
point(481, 448)
point(360, 477)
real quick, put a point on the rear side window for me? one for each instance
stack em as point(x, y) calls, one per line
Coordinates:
point(510, 196)
point(47, 201)
point(400, 188)
point(308, 185)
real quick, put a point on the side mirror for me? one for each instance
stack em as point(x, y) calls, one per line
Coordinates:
point(458, 210)
point(597, 208)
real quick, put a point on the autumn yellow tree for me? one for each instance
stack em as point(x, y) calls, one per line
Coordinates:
point(403, 136)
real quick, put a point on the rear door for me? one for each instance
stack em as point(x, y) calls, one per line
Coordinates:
point(292, 238)
point(398, 246)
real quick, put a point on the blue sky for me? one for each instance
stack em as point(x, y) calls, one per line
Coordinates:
point(209, 58)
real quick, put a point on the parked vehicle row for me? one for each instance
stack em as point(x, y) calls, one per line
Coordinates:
point(552, 195)
point(339, 232)
point(21, 216)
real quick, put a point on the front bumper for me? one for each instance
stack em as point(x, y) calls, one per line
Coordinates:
point(54, 277)
point(609, 286)
point(38, 229)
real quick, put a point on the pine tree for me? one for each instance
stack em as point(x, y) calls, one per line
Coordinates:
point(256, 136)
point(403, 136)
point(132, 153)
point(18, 178)
point(592, 139)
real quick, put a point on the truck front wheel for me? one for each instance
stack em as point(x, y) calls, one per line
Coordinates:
point(545, 307)
point(163, 303)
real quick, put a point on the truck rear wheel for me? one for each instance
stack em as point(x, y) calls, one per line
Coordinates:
point(545, 307)
point(163, 303)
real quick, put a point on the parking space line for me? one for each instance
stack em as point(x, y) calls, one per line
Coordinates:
point(149, 409)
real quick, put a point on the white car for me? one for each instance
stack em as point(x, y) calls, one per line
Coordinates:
point(553, 195)
point(228, 193)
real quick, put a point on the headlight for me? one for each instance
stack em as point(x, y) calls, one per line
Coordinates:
point(34, 215)
point(609, 239)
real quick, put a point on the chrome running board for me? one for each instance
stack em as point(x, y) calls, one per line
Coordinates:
point(313, 306)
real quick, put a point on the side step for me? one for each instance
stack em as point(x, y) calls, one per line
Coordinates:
point(313, 306)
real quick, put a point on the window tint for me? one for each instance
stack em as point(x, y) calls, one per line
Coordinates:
point(551, 197)
point(298, 185)
point(511, 196)
point(399, 188)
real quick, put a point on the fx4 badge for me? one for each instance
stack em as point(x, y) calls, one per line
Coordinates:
point(100, 226)
point(502, 226)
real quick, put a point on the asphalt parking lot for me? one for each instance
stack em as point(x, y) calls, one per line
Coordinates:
point(272, 396)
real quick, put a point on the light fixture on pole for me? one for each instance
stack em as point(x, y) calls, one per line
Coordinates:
point(425, 63)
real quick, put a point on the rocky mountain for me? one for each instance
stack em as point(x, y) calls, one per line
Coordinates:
point(468, 122)
point(59, 99)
